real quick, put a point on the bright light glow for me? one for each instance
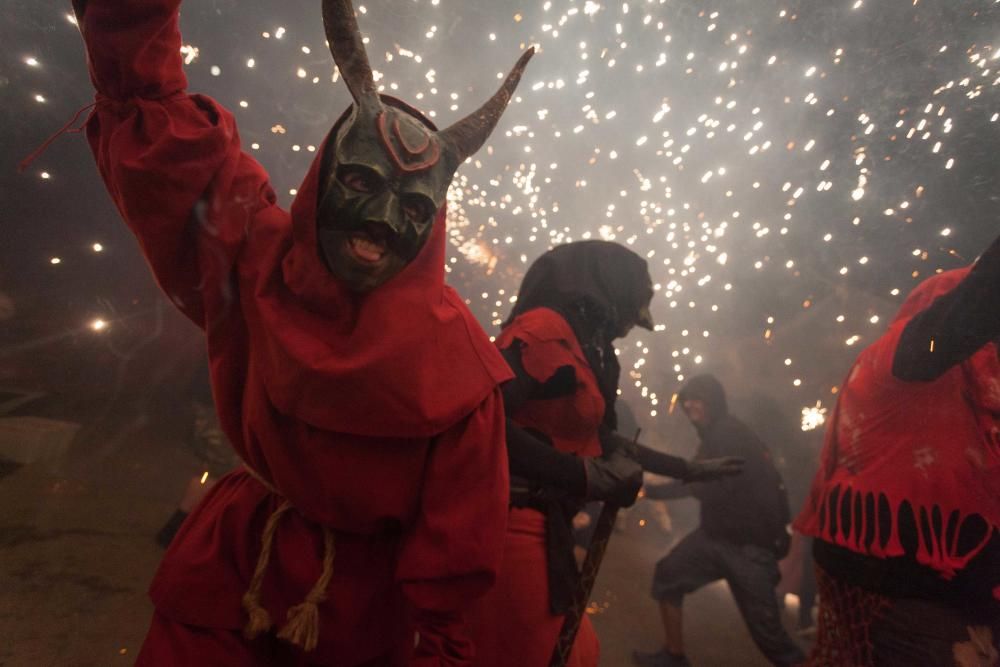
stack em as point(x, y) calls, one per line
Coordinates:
point(813, 416)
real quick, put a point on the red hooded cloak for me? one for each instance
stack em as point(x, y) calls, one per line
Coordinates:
point(377, 416)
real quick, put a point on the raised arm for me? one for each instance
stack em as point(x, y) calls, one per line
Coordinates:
point(171, 161)
point(955, 326)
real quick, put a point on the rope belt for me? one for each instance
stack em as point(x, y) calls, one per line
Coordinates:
point(302, 623)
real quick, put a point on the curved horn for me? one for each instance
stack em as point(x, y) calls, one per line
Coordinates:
point(348, 50)
point(469, 134)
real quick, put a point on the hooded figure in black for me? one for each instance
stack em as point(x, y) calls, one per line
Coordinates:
point(761, 513)
point(742, 535)
point(575, 300)
point(602, 290)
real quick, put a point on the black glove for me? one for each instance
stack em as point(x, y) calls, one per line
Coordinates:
point(615, 479)
point(706, 470)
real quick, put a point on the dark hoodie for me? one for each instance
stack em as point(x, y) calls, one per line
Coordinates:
point(750, 508)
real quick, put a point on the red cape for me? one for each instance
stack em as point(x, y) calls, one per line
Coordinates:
point(378, 416)
point(934, 444)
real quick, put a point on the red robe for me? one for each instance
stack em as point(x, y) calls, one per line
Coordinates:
point(378, 416)
point(513, 623)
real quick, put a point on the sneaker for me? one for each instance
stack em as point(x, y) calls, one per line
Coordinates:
point(661, 658)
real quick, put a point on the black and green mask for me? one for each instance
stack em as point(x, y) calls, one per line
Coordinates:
point(387, 169)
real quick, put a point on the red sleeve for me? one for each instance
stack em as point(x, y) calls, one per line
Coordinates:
point(171, 161)
point(547, 343)
point(452, 554)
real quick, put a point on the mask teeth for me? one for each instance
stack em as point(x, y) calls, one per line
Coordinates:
point(375, 245)
point(380, 234)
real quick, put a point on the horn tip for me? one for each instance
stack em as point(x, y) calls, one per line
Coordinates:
point(522, 62)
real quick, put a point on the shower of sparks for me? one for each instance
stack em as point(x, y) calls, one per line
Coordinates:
point(764, 158)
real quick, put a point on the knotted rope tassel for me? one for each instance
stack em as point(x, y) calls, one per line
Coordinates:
point(302, 628)
point(302, 625)
point(260, 620)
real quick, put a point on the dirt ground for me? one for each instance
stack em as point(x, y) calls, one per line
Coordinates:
point(77, 553)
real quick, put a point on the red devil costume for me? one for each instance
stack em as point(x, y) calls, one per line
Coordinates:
point(905, 507)
point(357, 388)
point(563, 448)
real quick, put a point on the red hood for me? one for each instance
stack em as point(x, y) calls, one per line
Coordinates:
point(404, 360)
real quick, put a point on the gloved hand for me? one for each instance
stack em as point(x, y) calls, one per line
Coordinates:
point(615, 479)
point(705, 470)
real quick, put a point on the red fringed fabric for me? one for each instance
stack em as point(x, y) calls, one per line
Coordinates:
point(933, 444)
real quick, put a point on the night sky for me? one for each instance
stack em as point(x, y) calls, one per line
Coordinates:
point(789, 169)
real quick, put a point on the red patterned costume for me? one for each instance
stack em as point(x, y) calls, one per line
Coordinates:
point(563, 445)
point(574, 302)
point(905, 507)
point(371, 424)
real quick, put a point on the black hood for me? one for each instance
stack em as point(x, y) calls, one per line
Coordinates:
point(708, 389)
point(602, 282)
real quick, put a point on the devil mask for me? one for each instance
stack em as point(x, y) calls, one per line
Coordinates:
point(386, 168)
